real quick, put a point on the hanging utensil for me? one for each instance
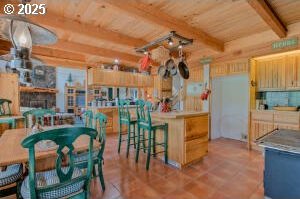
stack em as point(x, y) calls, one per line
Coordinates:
point(182, 67)
point(171, 66)
point(145, 63)
point(161, 70)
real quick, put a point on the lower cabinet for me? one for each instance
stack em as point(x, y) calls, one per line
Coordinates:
point(263, 122)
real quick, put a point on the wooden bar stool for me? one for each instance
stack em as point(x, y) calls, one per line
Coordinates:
point(145, 123)
point(125, 119)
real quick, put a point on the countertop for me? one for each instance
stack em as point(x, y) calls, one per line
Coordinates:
point(274, 111)
point(283, 140)
point(108, 107)
point(177, 114)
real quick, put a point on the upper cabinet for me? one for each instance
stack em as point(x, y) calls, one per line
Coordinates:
point(293, 72)
point(280, 73)
point(97, 76)
point(270, 74)
point(230, 68)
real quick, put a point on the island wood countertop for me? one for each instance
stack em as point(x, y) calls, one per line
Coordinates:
point(178, 114)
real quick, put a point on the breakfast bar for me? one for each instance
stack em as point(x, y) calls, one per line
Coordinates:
point(187, 137)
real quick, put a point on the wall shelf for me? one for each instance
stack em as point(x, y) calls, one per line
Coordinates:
point(38, 90)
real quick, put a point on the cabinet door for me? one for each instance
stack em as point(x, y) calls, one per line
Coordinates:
point(278, 73)
point(291, 72)
point(261, 75)
point(297, 70)
point(260, 128)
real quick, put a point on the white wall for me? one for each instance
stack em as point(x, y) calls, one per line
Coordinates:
point(62, 75)
point(230, 99)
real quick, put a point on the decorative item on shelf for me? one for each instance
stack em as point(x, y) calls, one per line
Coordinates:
point(205, 93)
point(70, 80)
point(23, 33)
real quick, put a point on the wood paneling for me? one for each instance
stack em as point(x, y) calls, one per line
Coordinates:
point(269, 16)
point(229, 68)
point(191, 103)
point(9, 89)
point(101, 77)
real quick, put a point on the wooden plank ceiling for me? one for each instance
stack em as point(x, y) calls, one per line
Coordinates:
point(92, 32)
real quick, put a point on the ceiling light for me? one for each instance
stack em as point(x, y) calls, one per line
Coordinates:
point(180, 45)
point(116, 61)
point(170, 42)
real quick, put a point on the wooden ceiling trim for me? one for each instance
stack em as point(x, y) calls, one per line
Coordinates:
point(158, 17)
point(269, 16)
point(48, 52)
point(92, 50)
point(55, 21)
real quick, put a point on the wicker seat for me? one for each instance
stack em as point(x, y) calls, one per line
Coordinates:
point(47, 178)
point(83, 157)
point(11, 174)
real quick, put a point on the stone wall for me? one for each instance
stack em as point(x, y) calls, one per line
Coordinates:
point(45, 77)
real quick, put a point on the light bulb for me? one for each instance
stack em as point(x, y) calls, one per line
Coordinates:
point(170, 42)
point(116, 61)
point(22, 36)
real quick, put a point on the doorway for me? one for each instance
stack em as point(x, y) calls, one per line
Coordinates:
point(229, 110)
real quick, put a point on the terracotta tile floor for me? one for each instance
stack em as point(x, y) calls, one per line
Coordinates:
point(229, 171)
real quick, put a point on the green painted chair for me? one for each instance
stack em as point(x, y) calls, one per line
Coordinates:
point(125, 119)
point(62, 182)
point(5, 109)
point(10, 121)
point(81, 159)
point(38, 115)
point(88, 119)
point(145, 123)
point(12, 174)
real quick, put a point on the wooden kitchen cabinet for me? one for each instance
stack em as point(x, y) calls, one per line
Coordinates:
point(292, 69)
point(286, 120)
point(97, 76)
point(262, 122)
point(270, 74)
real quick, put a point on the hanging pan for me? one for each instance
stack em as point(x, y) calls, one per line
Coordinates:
point(182, 67)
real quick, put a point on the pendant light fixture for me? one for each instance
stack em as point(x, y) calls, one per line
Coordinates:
point(23, 34)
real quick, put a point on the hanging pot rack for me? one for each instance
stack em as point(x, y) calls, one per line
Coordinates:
point(172, 35)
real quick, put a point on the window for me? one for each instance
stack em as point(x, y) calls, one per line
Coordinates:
point(70, 91)
point(70, 101)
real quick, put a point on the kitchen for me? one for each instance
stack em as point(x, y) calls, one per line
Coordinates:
point(180, 99)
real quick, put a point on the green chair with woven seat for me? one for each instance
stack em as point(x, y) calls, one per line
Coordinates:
point(38, 115)
point(81, 159)
point(11, 174)
point(88, 119)
point(64, 181)
point(145, 123)
point(5, 109)
point(125, 119)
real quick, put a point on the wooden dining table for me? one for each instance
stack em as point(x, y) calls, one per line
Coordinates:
point(12, 152)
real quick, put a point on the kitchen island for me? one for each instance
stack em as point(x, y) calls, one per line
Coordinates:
point(282, 164)
point(187, 135)
point(112, 114)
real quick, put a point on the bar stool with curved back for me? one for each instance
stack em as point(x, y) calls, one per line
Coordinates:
point(5, 112)
point(125, 119)
point(38, 115)
point(12, 173)
point(5, 109)
point(88, 119)
point(145, 123)
point(81, 160)
point(62, 182)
